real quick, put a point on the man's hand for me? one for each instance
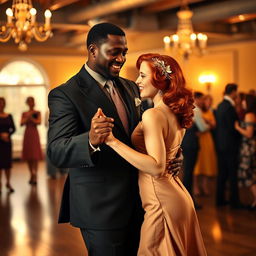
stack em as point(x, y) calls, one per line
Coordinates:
point(175, 166)
point(101, 126)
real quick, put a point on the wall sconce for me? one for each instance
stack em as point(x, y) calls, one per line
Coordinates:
point(207, 80)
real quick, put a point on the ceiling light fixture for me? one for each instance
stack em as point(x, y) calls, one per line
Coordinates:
point(22, 26)
point(185, 41)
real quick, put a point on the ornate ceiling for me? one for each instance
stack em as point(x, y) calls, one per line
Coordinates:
point(145, 22)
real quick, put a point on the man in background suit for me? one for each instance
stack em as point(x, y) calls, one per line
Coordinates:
point(101, 191)
point(190, 144)
point(228, 142)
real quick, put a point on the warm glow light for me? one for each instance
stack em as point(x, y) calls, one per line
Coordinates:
point(47, 14)
point(18, 224)
point(185, 42)
point(241, 17)
point(167, 40)
point(9, 12)
point(200, 36)
point(216, 232)
point(209, 78)
point(20, 72)
point(204, 37)
point(33, 11)
point(193, 36)
point(175, 38)
point(21, 25)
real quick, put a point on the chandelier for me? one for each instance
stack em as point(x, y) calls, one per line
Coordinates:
point(22, 26)
point(185, 41)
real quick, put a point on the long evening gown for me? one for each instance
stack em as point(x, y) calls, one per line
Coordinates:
point(6, 125)
point(170, 226)
point(31, 142)
point(206, 161)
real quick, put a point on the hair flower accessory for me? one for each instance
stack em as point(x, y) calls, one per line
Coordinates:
point(165, 69)
point(137, 101)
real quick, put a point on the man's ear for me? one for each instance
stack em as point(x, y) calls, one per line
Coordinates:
point(92, 49)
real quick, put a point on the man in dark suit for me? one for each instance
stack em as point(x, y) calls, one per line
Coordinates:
point(101, 191)
point(190, 145)
point(228, 142)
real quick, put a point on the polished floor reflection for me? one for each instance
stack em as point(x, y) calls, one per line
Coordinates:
point(28, 218)
point(28, 222)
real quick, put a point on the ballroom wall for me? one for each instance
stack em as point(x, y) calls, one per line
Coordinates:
point(229, 63)
point(57, 68)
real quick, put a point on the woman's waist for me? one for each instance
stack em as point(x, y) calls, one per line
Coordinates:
point(150, 179)
point(154, 188)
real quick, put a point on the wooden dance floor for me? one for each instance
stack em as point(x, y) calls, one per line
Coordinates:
point(28, 222)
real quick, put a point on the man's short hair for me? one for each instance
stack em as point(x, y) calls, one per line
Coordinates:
point(99, 33)
point(198, 95)
point(231, 87)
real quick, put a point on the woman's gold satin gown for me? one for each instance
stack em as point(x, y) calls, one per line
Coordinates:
point(170, 226)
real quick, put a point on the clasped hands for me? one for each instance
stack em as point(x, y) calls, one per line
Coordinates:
point(101, 128)
point(101, 132)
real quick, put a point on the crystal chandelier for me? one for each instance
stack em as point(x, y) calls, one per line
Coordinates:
point(185, 41)
point(22, 26)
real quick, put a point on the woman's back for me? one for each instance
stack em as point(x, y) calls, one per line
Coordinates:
point(170, 213)
point(172, 132)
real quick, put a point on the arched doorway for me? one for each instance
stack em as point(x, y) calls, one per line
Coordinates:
point(20, 78)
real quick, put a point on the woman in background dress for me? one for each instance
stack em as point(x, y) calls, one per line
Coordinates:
point(31, 152)
point(206, 165)
point(247, 166)
point(170, 224)
point(7, 128)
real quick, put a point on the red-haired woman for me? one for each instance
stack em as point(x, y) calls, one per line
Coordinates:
point(170, 224)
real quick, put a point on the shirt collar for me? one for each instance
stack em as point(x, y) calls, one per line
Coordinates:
point(226, 97)
point(99, 78)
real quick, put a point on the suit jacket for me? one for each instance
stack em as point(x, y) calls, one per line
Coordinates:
point(190, 140)
point(101, 191)
point(227, 138)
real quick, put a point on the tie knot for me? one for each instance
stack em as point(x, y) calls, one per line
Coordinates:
point(110, 86)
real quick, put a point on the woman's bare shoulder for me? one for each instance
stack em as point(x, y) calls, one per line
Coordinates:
point(155, 117)
point(152, 114)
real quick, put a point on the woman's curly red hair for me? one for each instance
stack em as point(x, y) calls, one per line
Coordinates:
point(173, 85)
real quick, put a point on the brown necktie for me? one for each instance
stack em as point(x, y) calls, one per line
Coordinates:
point(119, 104)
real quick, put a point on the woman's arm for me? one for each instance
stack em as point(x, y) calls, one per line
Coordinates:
point(211, 120)
point(154, 162)
point(248, 131)
point(24, 119)
point(12, 128)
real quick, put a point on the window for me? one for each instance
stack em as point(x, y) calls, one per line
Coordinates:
point(18, 80)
